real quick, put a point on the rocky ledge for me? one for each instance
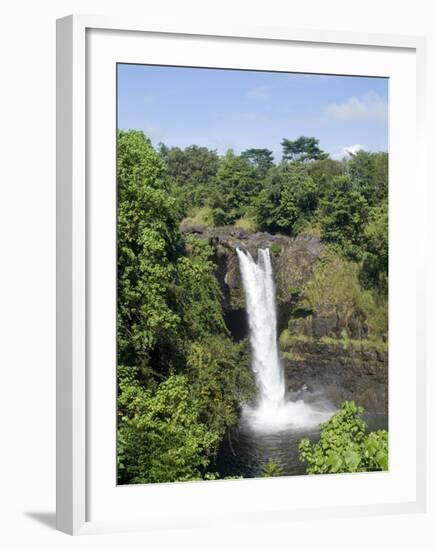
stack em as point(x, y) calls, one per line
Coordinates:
point(293, 261)
point(348, 370)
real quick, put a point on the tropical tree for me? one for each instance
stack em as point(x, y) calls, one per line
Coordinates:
point(302, 149)
point(192, 170)
point(288, 200)
point(262, 159)
point(369, 173)
point(343, 214)
point(193, 165)
point(236, 186)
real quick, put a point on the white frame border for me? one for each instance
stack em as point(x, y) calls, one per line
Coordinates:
point(71, 432)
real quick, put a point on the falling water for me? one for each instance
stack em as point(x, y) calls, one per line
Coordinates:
point(260, 303)
point(272, 410)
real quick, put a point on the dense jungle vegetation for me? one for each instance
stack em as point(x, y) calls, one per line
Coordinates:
point(181, 376)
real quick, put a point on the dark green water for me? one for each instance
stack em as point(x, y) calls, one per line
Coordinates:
point(243, 451)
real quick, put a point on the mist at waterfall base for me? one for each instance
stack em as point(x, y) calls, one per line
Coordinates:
point(272, 426)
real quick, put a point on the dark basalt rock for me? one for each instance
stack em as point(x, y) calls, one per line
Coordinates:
point(323, 325)
point(340, 371)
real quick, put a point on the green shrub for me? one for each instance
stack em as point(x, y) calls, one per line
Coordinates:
point(161, 436)
point(311, 229)
point(335, 288)
point(246, 222)
point(220, 377)
point(344, 446)
point(276, 249)
point(286, 339)
point(272, 469)
point(199, 215)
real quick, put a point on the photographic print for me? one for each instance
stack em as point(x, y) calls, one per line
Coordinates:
point(252, 274)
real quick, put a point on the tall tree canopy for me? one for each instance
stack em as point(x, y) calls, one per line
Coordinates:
point(343, 215)
point(288, 200)
point(193, 165)
point(193, 170)
point(302, 149)
point(262, 159)
point(236, 186)
point(369, 171)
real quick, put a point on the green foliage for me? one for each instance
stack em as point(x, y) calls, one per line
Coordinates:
point(181, 378)
point(160, 435)
point(287, 201)
point(246, 222)
point(322, 171)
point(196, 293)
point(303, 149)
point(289, 341)
point(335, 289)
point(193, 170)
point(311, 229)
point(261, 159)
point(221, 378)
point(298, 201)
point(343, 214)
point(369, 172)
point(272, 469)
point(167, 289)
point(374, 271)
point(236, 186)
point(286, 340)
point(334, 281)
point(344, 446)
point(276, 249)
point(147, 239)
point(199, 215)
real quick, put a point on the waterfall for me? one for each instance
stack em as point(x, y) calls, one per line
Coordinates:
point(272, 411)
point(259, 290)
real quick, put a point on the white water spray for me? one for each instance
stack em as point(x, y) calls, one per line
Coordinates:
point(260, 303)
point(272, 411)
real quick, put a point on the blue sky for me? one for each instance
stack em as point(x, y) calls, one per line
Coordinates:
point(223, 109)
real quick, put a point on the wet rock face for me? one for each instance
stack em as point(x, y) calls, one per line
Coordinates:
point(341, 372)
point(293, 261)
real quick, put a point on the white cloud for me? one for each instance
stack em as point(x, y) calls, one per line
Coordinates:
point(348, 151)
point(369, 106)
point(260, 92)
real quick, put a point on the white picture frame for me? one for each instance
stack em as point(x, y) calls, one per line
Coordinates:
point(77, 67)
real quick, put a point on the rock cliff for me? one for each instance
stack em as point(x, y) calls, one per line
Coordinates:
point(320, 349)
point(293, 261)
